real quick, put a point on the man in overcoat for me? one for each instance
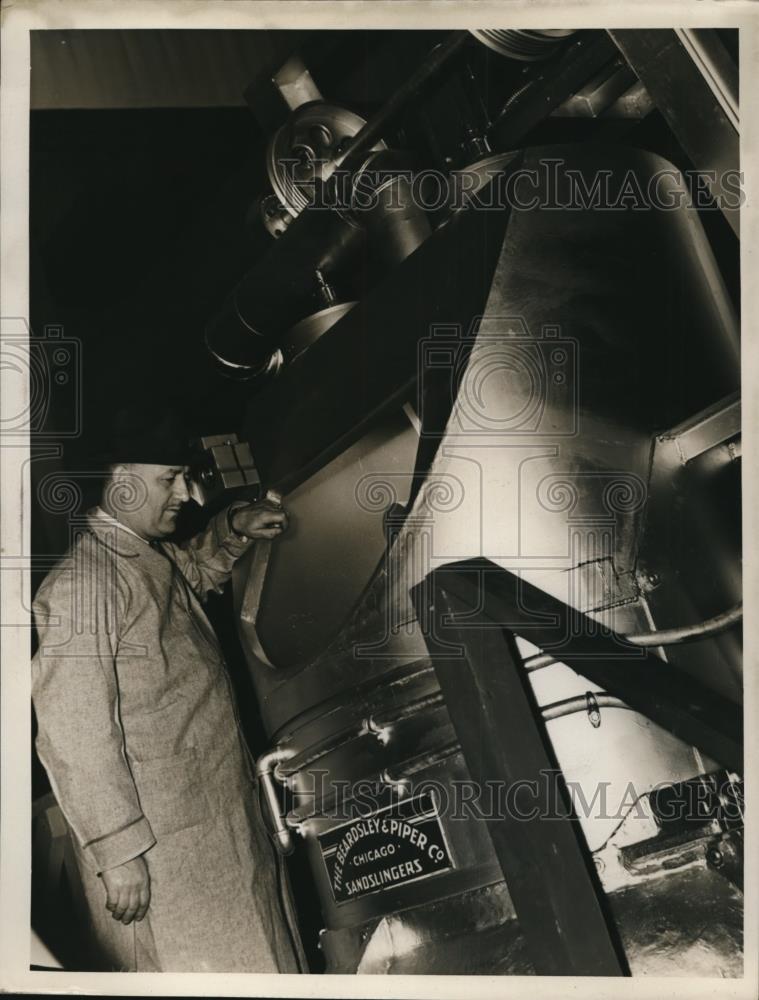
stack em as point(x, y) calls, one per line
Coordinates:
point(139, 733)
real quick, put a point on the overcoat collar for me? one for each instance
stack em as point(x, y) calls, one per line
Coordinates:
point(117, 538)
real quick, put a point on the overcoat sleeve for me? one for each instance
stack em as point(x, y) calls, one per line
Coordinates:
point(207, 559)
point(80, 741)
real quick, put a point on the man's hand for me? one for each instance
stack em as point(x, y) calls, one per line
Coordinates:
point(128, 890)
point(265, 519)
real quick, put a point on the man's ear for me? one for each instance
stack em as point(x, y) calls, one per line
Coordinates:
point(114, 476)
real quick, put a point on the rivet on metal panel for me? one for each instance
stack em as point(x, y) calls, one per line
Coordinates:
point(714, 857)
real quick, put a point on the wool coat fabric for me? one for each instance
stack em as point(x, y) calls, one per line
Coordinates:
point(139, 734)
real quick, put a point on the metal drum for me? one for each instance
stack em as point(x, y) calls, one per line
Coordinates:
point(605, 329)
point(518, 43)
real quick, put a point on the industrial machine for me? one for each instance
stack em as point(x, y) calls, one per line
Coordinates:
point(492, 364)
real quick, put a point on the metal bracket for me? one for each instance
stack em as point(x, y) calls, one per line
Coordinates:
point(225, 463)
point(705, 430)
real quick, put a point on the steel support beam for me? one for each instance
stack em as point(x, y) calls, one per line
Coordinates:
point(670, 697)
point(539, 845)
point(692, 91)
point(551, 85)
point(713, 426)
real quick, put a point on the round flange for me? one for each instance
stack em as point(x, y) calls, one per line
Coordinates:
point(314, 134)
point(518, 43)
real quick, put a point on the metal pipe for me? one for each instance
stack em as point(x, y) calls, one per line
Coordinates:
point(379, 728)
point(666, 637)
point(265, 771)
point(300, 761)
point(388, 776)
point(408, 710)
point(538, 661)
point(571, 706)
point(399, 774)
point(689, 633)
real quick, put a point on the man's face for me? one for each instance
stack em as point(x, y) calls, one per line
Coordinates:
point(162, 488)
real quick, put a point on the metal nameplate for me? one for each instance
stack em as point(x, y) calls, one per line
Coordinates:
point(385, 849)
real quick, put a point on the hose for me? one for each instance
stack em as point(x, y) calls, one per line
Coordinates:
point(689, 633)
point(666, 637)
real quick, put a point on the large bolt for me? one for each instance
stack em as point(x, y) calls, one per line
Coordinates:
point(714, 857)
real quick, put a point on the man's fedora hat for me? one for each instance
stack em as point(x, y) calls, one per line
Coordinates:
point(147, 436)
